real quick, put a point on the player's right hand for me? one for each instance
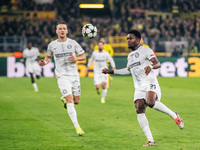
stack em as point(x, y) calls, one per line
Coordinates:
point(41, 62)
point(105, 71)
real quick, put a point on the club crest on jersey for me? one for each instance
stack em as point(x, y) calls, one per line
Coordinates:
point(69, 46)
point(136, 55)
point(64, 91)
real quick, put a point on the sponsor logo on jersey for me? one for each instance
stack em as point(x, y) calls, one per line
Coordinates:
point(62, 55)
point(134, 64)
point(64, 91)
point(69, 46)
point(136, 55)
point(98, 60)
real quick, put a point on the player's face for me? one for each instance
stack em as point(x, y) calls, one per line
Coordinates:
point(61, 30)
point(29, 45)
point(100, 46)
point(132, 41)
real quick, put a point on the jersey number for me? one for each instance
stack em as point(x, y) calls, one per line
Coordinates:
point(152, 86)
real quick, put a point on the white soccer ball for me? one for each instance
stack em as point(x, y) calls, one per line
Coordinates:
point(89, 31)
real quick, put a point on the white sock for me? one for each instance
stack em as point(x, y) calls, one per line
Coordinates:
point(145, 126)
point(161, 107)
point(104, 93)
point(72, 114)
point(35, 86)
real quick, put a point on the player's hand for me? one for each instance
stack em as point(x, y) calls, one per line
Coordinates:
point(41, 62)
point(21, 60)
point(72, 58)
point(147, 70)
point(106, 71)
point(113, 68)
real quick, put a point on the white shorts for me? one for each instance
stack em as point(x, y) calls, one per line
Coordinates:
point(141, 94)
point(33, 68)
point(100, 78)
point(69, 85)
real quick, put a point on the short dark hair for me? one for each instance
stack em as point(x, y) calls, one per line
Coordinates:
point(61, 22)
point(136, 33)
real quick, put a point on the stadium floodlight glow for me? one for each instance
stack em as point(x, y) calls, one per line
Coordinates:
point(98, 6)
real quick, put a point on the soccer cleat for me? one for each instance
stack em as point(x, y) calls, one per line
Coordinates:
point(102, 101)
point(179, 121)
point(149, 143)
point(64, 102)
point(98, 92)
point(79, 131)
point(36, 89)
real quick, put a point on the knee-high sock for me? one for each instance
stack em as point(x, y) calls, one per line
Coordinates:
point(145, 126)
point(104, 93)
point(161, 107)
point(72, 114)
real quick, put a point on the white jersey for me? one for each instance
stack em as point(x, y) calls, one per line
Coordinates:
point(61, 52)
point(137, 61)
point(31, 55)
point(100, 61)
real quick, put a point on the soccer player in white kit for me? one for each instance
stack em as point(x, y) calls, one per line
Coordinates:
point(31, 56)
point(64, 51)
point(100, 58)
point(141, 61)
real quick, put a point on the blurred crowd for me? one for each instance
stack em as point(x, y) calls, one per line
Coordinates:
point(124, 16)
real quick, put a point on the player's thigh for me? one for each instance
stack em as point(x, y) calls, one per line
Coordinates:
point(100, 78)
point(156, 89)
point(97, 79)
point(139, 94)
point(36, 69)
point(76, 86)
point(29, 68)
point(64, 85)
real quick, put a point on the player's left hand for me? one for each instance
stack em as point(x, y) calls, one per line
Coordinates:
point(72, 58)
point(147, 69)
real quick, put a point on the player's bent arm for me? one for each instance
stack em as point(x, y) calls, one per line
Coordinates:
point(155, 63)
point(81, 57)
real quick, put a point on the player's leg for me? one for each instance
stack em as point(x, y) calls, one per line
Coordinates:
point(103, 92)
point(151, 101)
point(97, 86)
point(140, 106)
point(76, 91)
point(33, 82)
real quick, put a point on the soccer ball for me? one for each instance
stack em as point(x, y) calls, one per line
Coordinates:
point(89, 31)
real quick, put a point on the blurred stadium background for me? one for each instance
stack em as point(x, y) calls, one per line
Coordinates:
point(171, 28)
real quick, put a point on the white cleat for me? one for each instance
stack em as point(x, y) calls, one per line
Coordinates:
point(149, 143)
point(179, 121)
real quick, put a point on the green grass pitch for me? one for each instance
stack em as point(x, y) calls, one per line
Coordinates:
point(38, 121)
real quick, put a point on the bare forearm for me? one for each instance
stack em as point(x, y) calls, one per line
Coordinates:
point(81, 57)
point(47, 59)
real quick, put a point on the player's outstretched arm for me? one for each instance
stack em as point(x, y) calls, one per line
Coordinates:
point(106, 71)
point(45, 61)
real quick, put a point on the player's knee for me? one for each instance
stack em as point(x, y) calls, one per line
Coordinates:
point(150, 102)
point(140, 106)
point(76, 102)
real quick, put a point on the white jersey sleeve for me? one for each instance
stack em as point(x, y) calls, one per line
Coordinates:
point(91, 60)
point(150, 53)
point(111, 60)
point(49, 50)
point(123, 71)
point(78, 48)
